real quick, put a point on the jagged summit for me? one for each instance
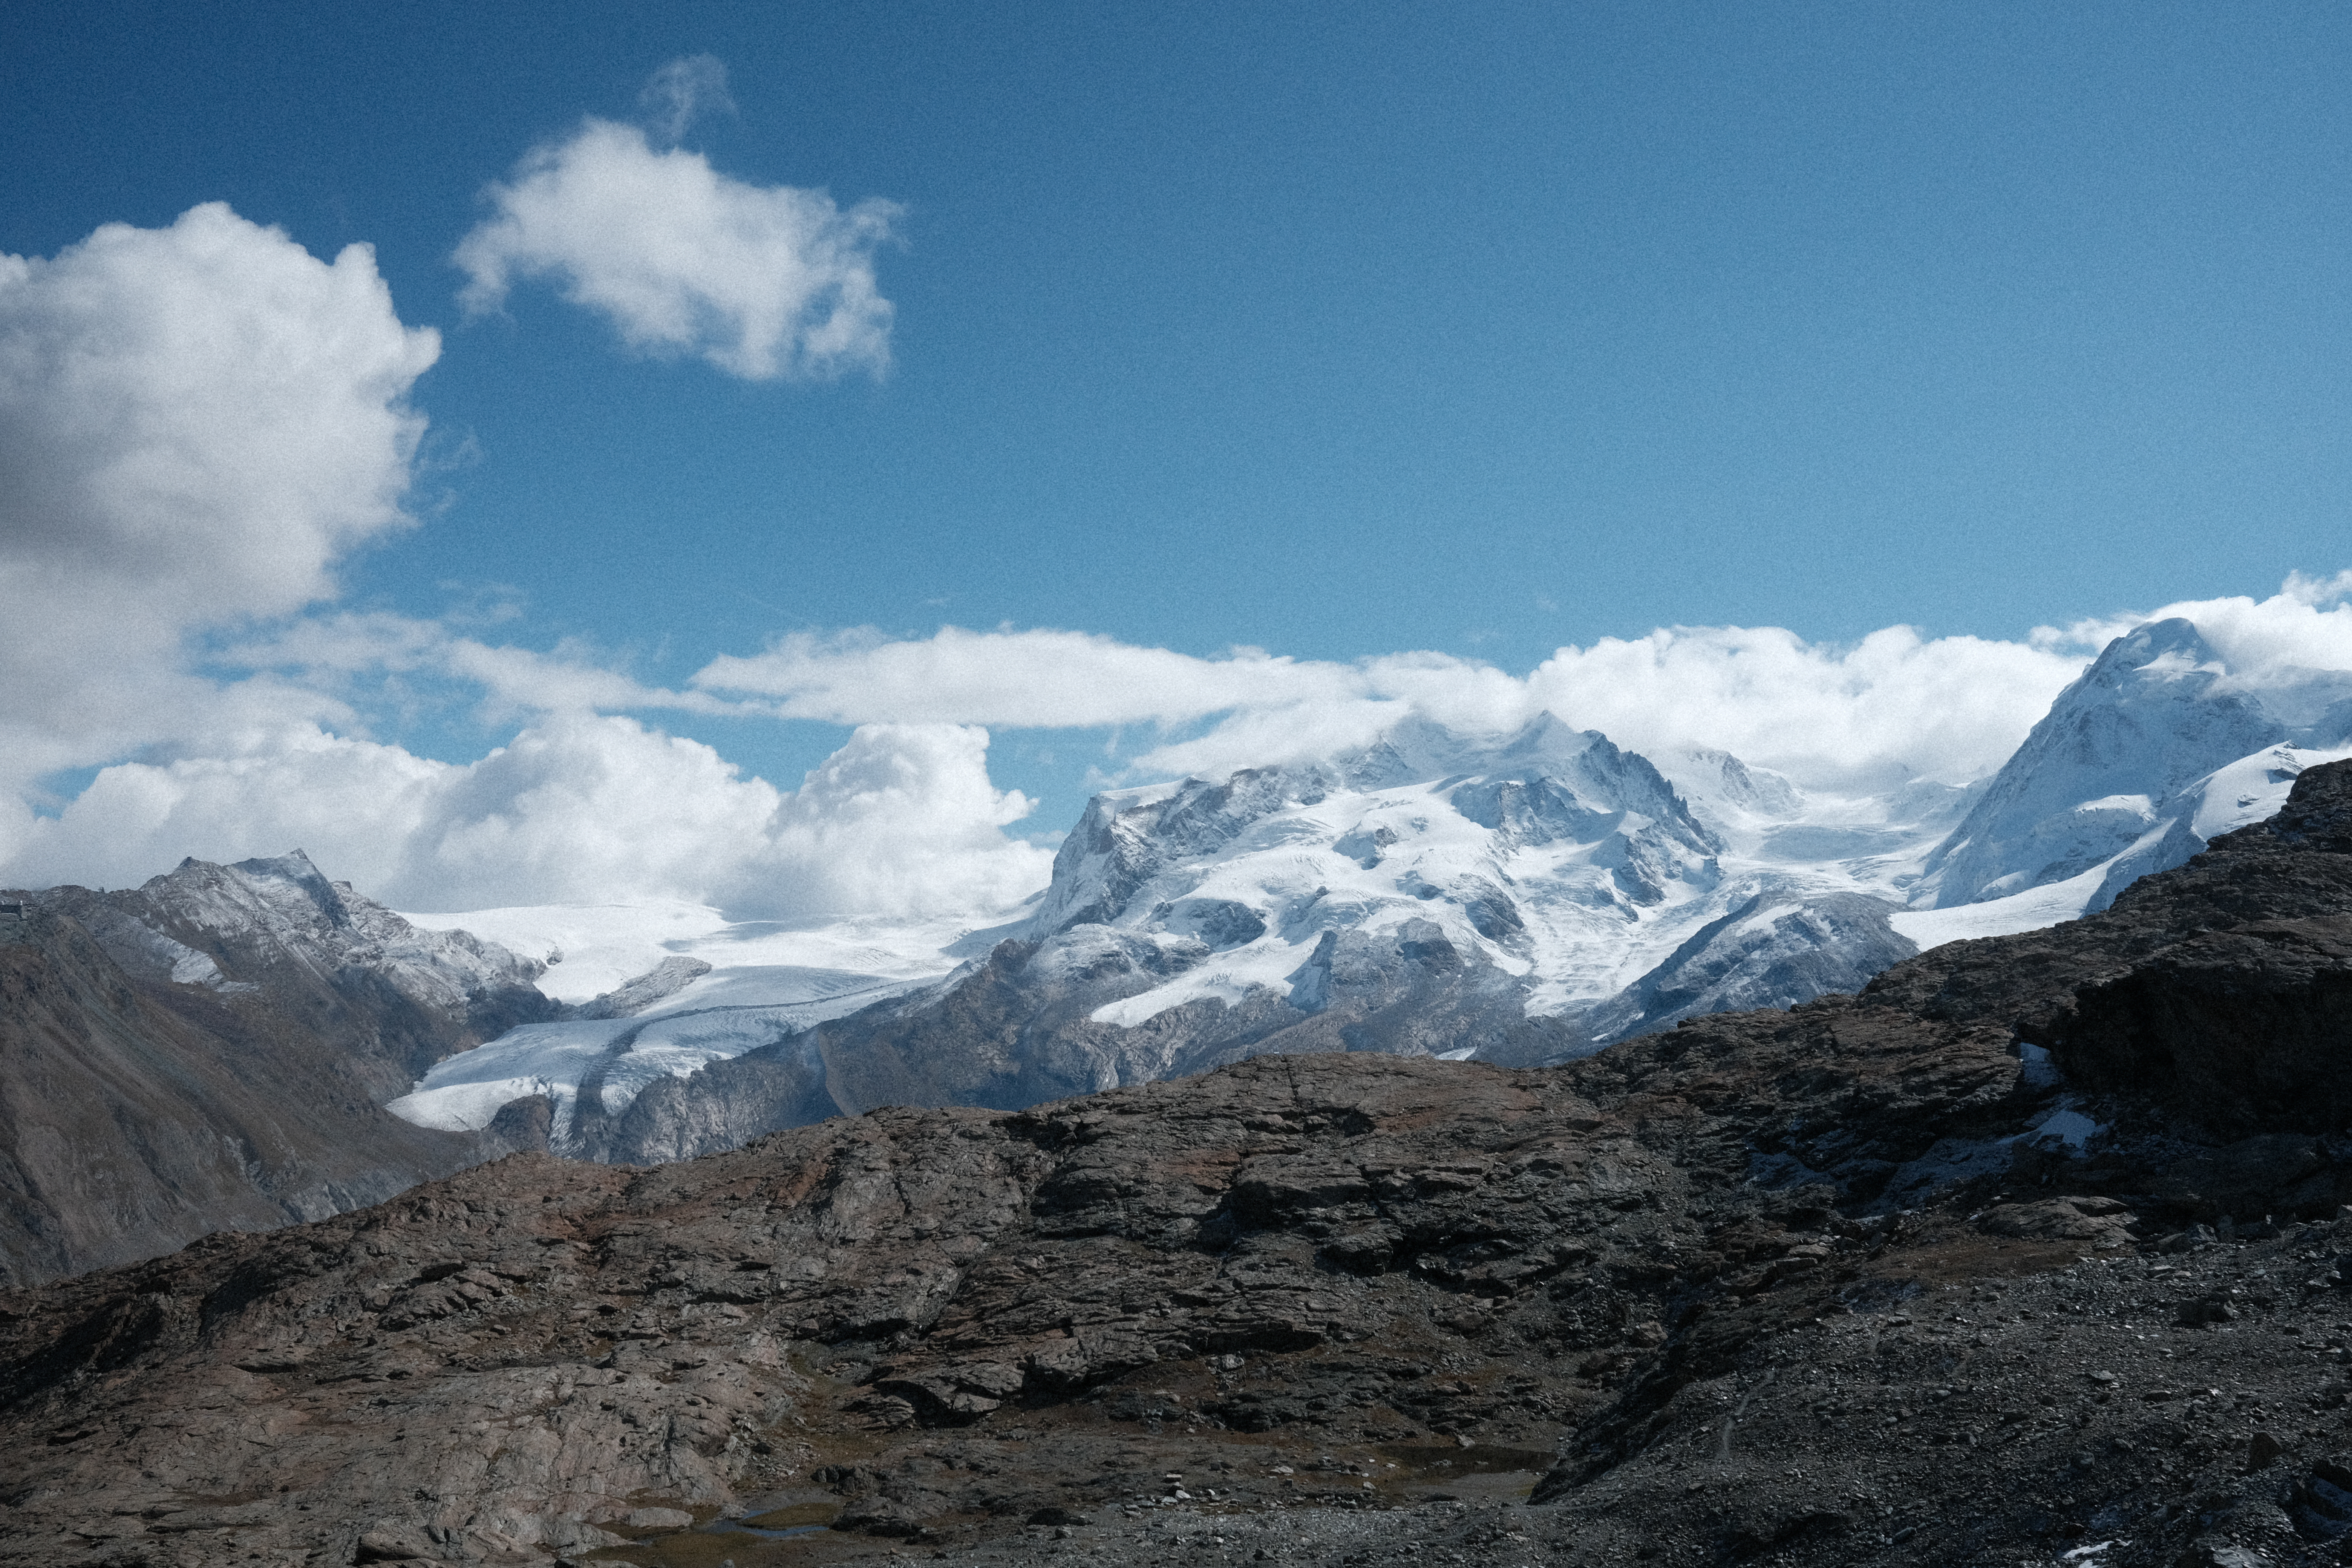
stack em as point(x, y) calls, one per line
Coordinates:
point(261, 916)
point(1546, 785)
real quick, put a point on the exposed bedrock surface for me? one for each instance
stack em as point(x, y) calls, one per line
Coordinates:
point(1977, 1265)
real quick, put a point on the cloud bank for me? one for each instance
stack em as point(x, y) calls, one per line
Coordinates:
point(1892, 706)
point(761, 281)
point(575, 809)
point(584, 807)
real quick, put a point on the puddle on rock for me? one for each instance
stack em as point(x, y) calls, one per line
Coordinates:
point(1428, 1460)
point(780, 1523)
point(747, 1542)
point(1447, 1472)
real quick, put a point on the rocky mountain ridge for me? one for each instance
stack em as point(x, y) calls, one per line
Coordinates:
point(1976, 1266)
point(403, 997)
point(211, 1049)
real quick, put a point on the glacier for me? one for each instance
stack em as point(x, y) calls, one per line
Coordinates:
point(738, 985)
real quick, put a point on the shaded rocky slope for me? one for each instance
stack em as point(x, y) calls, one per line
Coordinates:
point(209, 1050)
point(1869, 1280)
point(394, 999)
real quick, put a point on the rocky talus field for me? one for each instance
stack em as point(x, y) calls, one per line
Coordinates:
point(2029, 1253)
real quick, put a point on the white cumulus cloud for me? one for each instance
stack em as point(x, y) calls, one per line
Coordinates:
point(195, 423)
point(761, 281)
point(355, 805)
point(902, 820)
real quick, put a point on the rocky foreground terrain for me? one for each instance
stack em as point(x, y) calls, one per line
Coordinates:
point(2029, 1253)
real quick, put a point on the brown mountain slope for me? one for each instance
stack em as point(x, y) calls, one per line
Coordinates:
point(1852, 1282)
point(138, 1112)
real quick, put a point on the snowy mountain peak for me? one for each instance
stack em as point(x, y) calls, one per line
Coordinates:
point(2115, 776)
point(1413, 750)
point(1525, 869)
point(283, 893)
point(1545, 786)
point(2169, 650)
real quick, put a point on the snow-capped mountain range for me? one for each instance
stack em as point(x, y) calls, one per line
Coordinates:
point(1520, 896)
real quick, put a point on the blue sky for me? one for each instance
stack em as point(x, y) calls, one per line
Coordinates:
point(1336, 331)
